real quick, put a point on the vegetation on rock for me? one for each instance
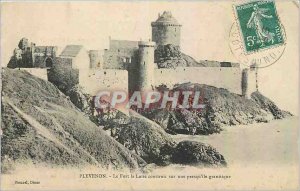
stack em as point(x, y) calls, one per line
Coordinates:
point(221, 108)
point(170, 56)
point(40, 124)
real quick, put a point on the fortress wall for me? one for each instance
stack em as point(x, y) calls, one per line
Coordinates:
point(96, 80)
point(96, 58)
point(63, 75)
point(114, 59)
point(210, 63)
point(38, 72)
point(228, 78)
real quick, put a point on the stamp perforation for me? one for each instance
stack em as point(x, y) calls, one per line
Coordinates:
point(247, 52)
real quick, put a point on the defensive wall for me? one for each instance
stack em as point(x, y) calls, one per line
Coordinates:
point(119, 59)
point(96, 58)
point(62, 74)
point(120, 54)
point(107, 79)
point(229, 78)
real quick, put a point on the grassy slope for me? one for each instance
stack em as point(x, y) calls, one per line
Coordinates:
point(40, 124)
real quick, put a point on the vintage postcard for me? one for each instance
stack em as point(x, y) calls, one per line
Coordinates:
point(149, 95)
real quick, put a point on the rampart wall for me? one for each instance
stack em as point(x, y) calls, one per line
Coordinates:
point(221, 77)
point(96, 80)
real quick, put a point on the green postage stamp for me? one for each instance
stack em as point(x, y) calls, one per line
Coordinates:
point(259, 25)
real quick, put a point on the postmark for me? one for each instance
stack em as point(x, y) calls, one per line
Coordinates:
point(259, 25)
point(257, 37)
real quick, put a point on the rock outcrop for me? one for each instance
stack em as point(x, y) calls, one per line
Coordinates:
point(192, 152)
point(137, 133)
point(170, 56)
point(221, 108)
point(269, 106)
point(46, 127)
point(148, 140)
point(79, 98)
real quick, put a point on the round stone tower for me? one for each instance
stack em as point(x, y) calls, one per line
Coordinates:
point(95, 59)
point(166, 30)
point(145, 66)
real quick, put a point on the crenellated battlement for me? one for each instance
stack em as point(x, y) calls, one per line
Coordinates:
point(146, 44)
point(154, 24)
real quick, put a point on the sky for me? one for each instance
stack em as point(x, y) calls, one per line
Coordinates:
point(204, 34)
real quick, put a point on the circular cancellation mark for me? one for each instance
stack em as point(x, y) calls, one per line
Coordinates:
point(257, 37)
point(262, 58)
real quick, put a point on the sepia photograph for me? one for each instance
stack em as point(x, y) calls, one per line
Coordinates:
point(149, 95)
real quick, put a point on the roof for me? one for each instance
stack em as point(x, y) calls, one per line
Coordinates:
point(166, 17)
point(71, 50)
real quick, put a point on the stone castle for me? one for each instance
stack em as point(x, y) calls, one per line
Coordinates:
point(135, 65)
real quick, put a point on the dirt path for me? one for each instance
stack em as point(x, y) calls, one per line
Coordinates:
point(40, 129)
point(43, 131)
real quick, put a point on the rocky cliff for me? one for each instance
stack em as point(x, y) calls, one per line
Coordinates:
point(170, 56)
point(221, 108)
point(42, 125)
point(146, 138)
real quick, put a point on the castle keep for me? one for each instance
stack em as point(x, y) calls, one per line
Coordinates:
point(134, 65)
point(166, 30)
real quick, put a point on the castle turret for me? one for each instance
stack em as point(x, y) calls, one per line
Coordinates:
point(166, 30)
point(249, 81)
point(145, 66)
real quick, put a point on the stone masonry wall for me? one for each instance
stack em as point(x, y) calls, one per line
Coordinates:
point(228, 78)
point(96, 80)
point(164, 34)
point(63, 75)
